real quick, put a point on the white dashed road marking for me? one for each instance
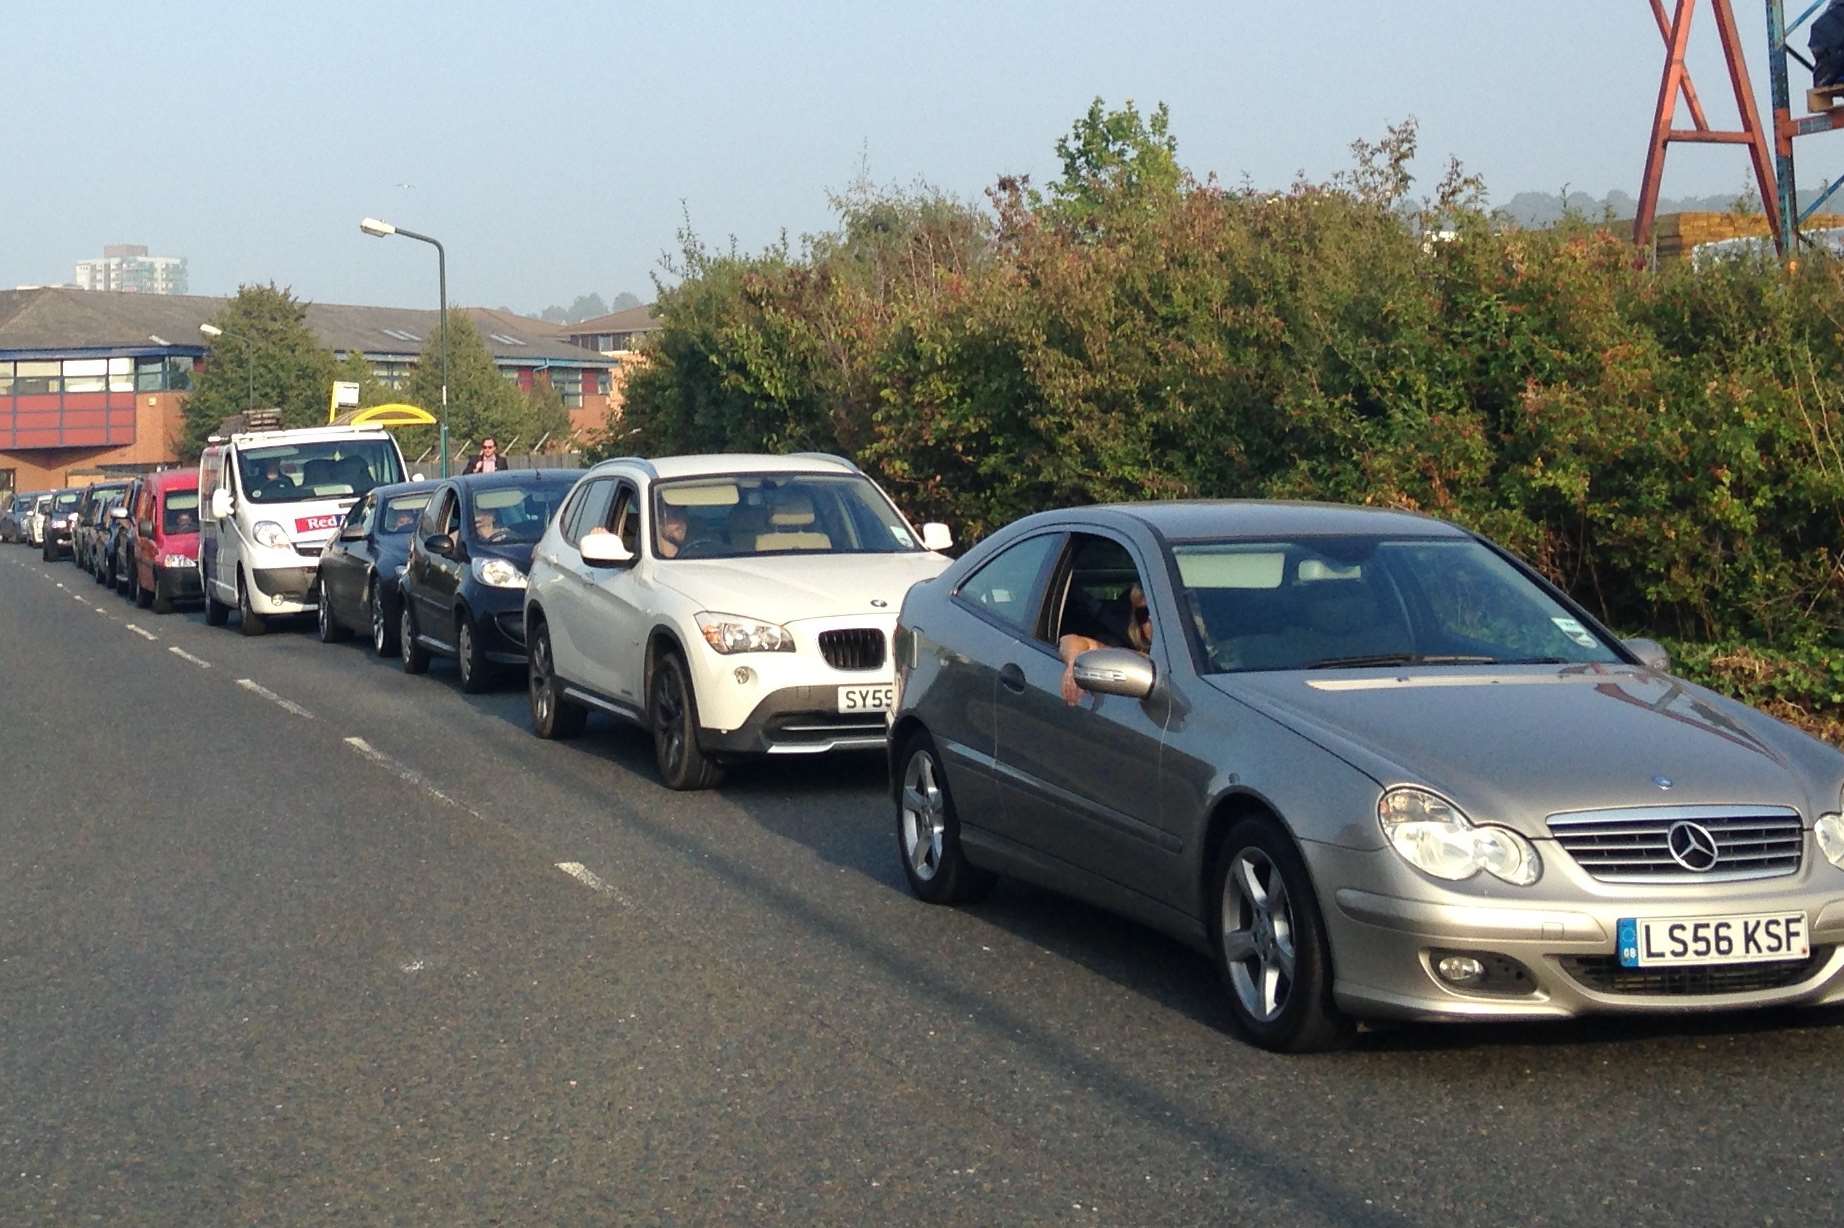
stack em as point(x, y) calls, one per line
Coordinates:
point(408, 774)
point(183, 655)
point(286, 705)
point(146, 635)
point(78, 597)
point(595, 882)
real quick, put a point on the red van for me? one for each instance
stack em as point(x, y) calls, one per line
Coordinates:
point(165, 541)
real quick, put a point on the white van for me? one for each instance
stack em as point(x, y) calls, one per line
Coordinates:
point(269, 502)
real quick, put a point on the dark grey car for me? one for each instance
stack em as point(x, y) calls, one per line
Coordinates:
point(1368, 761)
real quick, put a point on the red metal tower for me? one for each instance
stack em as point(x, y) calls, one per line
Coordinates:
point(1675, 83)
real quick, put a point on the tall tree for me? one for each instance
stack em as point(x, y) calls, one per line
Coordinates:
point(586, 307)
point(266, 357)
point(546, 416)
point(1116, 157)
point(481, 400)
point(623, 301)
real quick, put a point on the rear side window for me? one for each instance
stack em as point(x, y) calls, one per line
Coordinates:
point(1005, 587)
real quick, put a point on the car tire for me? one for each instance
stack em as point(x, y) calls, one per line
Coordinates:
point(160, 597)
point(249, 622)
point(99, 567)
point(928, 830)
point(553, 717)
point(672, 709)
point(415, 657)
point(1270, 943)
point(216, 612)
point(142, 597)
point(470, 657)
point(326, 625)
point(383, 625)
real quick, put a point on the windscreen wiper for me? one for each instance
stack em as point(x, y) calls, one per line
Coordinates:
point(1399, 658)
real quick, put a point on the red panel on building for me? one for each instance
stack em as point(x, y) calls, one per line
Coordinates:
point(81, 419)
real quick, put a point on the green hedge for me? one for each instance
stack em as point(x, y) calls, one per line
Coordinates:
point(1667, 446)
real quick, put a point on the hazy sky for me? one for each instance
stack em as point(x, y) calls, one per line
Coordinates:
point(556, 147)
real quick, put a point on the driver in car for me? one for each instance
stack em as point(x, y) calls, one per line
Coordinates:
point(402, 520)
point(1137, 634)
point(673, 526)
point(485, 524)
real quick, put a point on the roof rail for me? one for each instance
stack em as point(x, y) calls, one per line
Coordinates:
point(847, 462)
point(645, 464)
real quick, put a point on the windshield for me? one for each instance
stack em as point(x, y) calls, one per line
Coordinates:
point(402, 513)
point(179, 512)
point(514, 515)
point(69, 498)
point(327, 469)
point(1327, 603)
point(765, 514)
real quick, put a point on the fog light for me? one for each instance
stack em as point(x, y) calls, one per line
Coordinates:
point(1460, 970)
point(744, 675)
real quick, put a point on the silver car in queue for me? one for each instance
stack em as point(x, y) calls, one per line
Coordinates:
point(1369, 762)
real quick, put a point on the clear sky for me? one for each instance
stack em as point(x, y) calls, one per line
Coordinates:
point(556, 147)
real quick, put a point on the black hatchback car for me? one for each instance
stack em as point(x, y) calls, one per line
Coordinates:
point(463, 591)
point(358, 573)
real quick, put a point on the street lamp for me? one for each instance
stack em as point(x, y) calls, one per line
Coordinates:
point(380, 230)
point(249, 357)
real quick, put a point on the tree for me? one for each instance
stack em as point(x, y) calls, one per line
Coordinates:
point(624, 301)
point(1113, 157)
point(354, 368)
point(481, 400)
point(266, 357)
point(546, 416)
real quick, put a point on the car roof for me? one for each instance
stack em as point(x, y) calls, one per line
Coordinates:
point(167, 479)
point(1257, 518)
point(514, 477)
point(392, 489)
point(718, 464)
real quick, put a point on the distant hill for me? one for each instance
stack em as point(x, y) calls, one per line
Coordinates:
point(1548, 208)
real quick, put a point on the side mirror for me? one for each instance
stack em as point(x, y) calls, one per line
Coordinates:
point(118, 513)
point(417, 477)
point(222, 505)
point(439, 543)
point(145, 528)
point(1115, 671)
point(1651, 654)
point(936, 536)
point(605, 550)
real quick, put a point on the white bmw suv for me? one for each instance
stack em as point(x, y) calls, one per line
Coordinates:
point(734, 605)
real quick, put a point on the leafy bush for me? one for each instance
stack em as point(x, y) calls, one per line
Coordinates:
point(1667, 446)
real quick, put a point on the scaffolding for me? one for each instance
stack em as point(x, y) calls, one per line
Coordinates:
point(1773, 168)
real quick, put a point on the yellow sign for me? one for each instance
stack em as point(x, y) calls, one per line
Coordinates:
point(396, 414)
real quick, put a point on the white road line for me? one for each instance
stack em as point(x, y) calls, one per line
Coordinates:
point(146, 635)
point(595, 882)
point(100, 611)
point(407, 774)
point(183, 655)
point(78, 597)
point(286, 705)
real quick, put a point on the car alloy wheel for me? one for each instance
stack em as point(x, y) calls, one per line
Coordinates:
point(475, 670)
point(1271, 945)
point(928, 830)
point(323, 613)
point(1258, 944)
point(674, 709)
point(552, 715)
point(415, 657)
point(924, 809)
point(380, 625)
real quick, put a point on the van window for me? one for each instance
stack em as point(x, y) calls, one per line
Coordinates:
point(321, 469)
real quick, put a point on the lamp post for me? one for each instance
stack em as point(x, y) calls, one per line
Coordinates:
point(379, 230)
point(249, 357)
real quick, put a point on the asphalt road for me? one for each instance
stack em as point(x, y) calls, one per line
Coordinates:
point(289, 937)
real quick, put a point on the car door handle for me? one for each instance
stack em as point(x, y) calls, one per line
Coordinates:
point(1011, 677)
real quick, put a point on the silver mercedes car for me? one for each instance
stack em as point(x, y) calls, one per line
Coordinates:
point(1371, 763)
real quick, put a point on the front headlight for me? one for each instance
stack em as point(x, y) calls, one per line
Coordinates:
point(270, 534)
point(728, 633)
point(1830, 833)
point(498, 573)
point(1432, 835)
